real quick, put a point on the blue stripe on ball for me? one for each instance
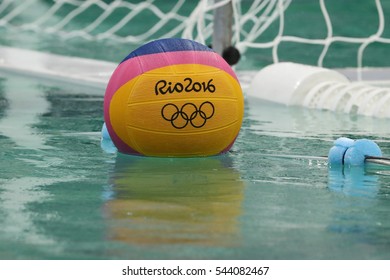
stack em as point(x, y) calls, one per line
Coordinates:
point(168, 45)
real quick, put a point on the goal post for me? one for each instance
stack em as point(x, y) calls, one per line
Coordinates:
point(223, 23)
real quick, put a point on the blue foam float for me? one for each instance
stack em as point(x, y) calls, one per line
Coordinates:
point(352, 153)
point(105, 134)
point(106, 143)
point(337, 152)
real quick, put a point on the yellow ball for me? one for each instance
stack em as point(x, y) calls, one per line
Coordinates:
point(183, 101)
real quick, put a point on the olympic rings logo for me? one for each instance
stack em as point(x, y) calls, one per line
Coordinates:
point(188, 113)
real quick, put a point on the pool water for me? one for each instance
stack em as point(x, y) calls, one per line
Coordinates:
point(63, 197)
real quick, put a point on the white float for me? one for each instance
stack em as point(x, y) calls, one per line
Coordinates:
point(316, 87)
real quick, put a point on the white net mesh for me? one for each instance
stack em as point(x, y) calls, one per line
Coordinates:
point(258, 25)
point(330, 33)
point(265, 30)
point(92, 19)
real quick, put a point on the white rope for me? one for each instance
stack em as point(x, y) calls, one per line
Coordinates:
point(278, 38)
point(4, 4)
point(329, 33)
point(16, 11)
point(372, 38)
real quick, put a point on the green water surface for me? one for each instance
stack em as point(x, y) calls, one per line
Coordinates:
point(63, 197)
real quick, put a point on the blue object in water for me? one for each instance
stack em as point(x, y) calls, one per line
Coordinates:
point(356, 155)
point(106, 143)
point(352, 153)
point(337, 152)
point(105, 134)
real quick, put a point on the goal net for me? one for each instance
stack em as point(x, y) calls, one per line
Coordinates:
point(326, 33)
point(329, 33)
